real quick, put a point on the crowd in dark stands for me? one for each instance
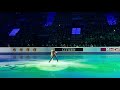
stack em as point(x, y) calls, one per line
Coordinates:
point(98, 39)
point(95, 31)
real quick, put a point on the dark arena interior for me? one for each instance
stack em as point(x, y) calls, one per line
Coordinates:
point(86, 44)
point(55, 29)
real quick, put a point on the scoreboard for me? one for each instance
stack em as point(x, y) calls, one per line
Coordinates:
point(68, 49)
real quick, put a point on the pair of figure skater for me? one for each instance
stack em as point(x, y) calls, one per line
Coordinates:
point(53, 54)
